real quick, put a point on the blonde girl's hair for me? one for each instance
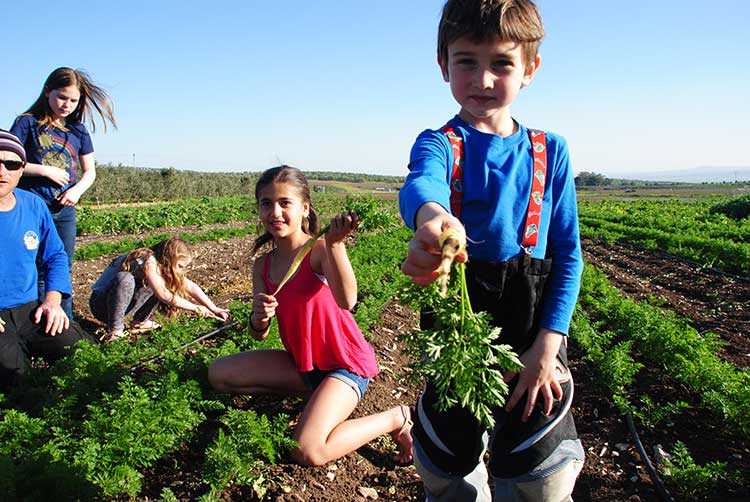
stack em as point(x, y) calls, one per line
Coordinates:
point(167, 253)
point(93, 99)
point(294, 177)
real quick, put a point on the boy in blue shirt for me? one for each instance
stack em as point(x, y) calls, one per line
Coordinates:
point(28, 326)
point(511, 191)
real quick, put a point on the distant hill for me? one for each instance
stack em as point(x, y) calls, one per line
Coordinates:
point(695, 175)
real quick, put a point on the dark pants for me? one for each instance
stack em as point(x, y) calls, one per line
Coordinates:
point(122, 296)
point(23, 338)
point(65, 223)
point(512, 292)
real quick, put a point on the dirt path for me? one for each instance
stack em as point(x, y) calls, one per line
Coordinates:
point(613, 470)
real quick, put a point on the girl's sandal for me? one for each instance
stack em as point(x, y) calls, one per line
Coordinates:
point(403, 439)
point(146, 325)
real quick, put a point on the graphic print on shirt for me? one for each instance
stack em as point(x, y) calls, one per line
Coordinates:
point(31, 240)
point(58, 152)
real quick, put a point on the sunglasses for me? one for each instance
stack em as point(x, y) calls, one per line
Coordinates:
point(12, 165)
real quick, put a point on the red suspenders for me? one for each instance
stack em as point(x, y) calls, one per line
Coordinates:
point(539, 173)
point(457, 170)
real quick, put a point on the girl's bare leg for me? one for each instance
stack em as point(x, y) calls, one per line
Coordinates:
point(325, 434)
point(256, 371)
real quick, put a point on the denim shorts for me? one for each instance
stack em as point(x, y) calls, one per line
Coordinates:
point(313, 378)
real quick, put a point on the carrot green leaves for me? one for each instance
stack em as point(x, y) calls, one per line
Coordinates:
point(461, 354)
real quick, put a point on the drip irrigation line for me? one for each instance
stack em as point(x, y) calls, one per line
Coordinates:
point(658, 483)
point(197, 340)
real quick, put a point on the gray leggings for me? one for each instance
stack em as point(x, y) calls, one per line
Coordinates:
point(121, 297)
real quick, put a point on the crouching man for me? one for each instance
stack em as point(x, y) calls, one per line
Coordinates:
point(29, 327)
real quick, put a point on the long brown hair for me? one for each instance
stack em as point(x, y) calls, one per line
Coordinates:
point(93, 98)
point(167, 253)
point(295, 178)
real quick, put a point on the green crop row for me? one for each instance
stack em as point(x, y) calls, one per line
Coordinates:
point(625, 340)
point(135, 219)
point(695, 219)
point(377, 215)
point(206, 211)
point(623, 336)
point(730, 256)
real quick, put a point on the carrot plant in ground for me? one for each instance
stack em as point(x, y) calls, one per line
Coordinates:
point(462, 354)
point(698, 481)
point(737, 208)
point(86, 428)
point(623, 337)
point(376, 258)
point(659, 337)
point(240, 455)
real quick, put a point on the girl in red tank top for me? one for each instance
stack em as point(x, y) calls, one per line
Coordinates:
point(326, 354)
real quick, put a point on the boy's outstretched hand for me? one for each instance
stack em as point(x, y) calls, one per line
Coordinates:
point(538, 375)
point(424, 254)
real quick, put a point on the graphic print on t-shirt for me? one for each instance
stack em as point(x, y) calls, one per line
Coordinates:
point(58, 152)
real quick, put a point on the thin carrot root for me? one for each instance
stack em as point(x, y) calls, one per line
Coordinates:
point(303, 251)
point(452, 244)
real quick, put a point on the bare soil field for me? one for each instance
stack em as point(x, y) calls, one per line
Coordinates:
point(613, 470)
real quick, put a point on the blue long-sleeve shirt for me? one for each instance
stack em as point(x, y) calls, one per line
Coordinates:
point(28, 231)
point(496, 188)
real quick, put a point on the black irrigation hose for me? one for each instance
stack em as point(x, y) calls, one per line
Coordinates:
point(660, 488)
point(197, 340)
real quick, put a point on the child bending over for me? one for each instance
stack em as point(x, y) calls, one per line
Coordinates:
point(138, 282)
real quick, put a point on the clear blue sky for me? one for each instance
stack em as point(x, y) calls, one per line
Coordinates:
point(347, 85)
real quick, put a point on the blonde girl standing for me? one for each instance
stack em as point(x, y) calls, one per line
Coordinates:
point(326, 355)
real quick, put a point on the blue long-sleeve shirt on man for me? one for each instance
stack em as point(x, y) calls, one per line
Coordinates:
point(28, 231)
point(496, 187)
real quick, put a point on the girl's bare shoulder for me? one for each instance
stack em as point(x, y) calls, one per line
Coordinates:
point(259, 283)
point(259, 262)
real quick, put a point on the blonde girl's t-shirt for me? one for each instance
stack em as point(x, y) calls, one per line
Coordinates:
point(315, 330)
point(51, 146)
point(137, 268)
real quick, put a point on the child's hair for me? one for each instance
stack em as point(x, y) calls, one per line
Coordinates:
point(167, 253)
point(92, 96)
point(294, 177)
point(483, 20)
